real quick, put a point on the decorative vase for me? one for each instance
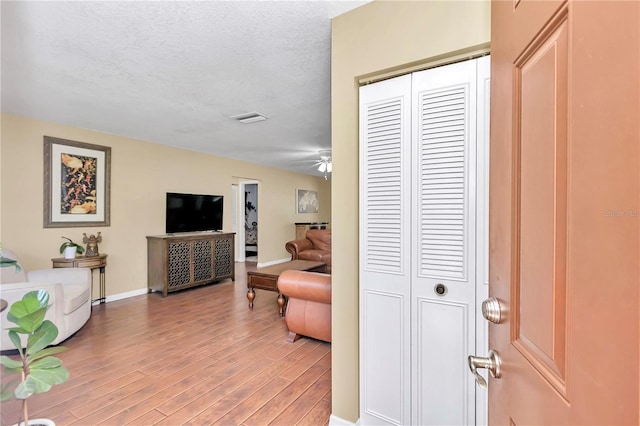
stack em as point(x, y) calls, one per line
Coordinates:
point(70, 252)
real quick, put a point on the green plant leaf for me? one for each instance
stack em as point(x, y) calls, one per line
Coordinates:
point(46, 352)
point(10, 363)
point(31, 322)
point(6, 392)
point(29, 312)
point(42, 337)
point(15, 339)
point(16, 370)
point(41, 380)
point(70, 243)
point(65, 244)
point(47, 363)
point(28, 387)
point(6, 262)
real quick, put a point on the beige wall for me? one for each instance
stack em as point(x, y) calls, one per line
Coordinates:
point(141, 174)
point(380, 38)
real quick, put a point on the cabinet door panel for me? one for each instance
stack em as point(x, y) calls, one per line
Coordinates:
point(201, 257)
point(224, 257)
point(179, 263)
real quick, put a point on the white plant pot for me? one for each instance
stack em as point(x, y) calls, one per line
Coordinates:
point(70, 252)
point(37, 422)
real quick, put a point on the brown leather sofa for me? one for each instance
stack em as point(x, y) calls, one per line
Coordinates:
point(316, 246)
point(309, 304)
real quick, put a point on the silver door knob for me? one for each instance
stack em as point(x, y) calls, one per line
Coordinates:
point(492, 310)
point(491, 363)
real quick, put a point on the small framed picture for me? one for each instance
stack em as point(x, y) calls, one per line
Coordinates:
point(306, 201)
point(77, 178)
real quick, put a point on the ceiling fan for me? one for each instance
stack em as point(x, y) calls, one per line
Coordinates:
point(324, 163)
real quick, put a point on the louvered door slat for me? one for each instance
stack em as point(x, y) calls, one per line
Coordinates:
point(383, 138)
point(443, 156)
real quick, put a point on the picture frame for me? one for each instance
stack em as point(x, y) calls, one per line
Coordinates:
point(307, 201)
point(77, 184)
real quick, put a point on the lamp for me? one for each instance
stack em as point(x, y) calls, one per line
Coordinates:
point(325, 166)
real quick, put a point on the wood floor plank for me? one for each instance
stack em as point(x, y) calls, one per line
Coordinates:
point(58, 404)
point(149, 418)
point(234, 397)
point(136, 394)
point(305, 402)
point(319, 414)
point(255, 401)
point(269, 412)
point(216, 390)
point(320, 352)
point(198, 356)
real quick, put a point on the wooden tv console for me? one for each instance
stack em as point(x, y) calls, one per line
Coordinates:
point(180, 261)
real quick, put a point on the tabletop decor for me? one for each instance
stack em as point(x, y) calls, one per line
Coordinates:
point(92, 244)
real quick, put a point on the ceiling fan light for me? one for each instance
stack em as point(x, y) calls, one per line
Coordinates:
point(329, 167)
point(323, 167)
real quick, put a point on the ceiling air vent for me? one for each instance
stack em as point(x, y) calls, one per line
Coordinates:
point(249, 117)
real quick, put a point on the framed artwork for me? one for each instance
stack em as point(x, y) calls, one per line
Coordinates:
point(77, 180)
point(306, 201)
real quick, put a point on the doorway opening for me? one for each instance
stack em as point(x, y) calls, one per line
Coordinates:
point(247, 220)
point(251, 222)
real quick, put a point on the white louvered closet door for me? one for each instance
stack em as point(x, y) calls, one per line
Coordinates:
point(443, 244)
point(385, 274)
point(418, 273)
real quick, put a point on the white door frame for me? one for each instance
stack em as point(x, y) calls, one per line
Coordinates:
point(240, 235)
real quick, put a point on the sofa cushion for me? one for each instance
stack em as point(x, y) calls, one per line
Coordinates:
point(321, 238)
point(314, 255)
point(75, 296)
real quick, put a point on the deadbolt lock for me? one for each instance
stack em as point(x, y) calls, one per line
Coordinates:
point(492, 310)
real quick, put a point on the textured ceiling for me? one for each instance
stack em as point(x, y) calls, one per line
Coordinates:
point(174, 72)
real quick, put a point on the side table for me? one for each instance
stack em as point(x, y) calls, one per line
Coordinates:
point(91, 262)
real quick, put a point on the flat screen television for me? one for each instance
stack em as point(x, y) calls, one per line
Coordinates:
point(193, 212)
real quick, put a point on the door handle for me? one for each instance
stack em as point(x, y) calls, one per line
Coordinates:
point(491, 363)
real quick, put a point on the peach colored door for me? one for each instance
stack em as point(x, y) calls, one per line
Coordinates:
point(565, 211)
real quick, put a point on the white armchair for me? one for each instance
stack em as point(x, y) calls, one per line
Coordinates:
point(69, 296)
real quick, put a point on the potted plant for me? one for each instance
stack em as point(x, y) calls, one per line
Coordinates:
point(38, 370)
point(69, 248)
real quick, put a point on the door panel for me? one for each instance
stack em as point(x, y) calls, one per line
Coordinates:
point(564, 162)
point(540, 117)
point(443, 333)
point(444, 241)
point(383, 372)
point(385, 317)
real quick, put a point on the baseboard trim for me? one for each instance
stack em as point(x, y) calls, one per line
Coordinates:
point(125, 295)
point(142, 291)
point(273, 262)
point(337, 421)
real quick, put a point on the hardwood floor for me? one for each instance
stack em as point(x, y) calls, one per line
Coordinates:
point(197, 357)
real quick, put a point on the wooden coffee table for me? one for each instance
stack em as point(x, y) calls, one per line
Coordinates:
point(267, 278)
